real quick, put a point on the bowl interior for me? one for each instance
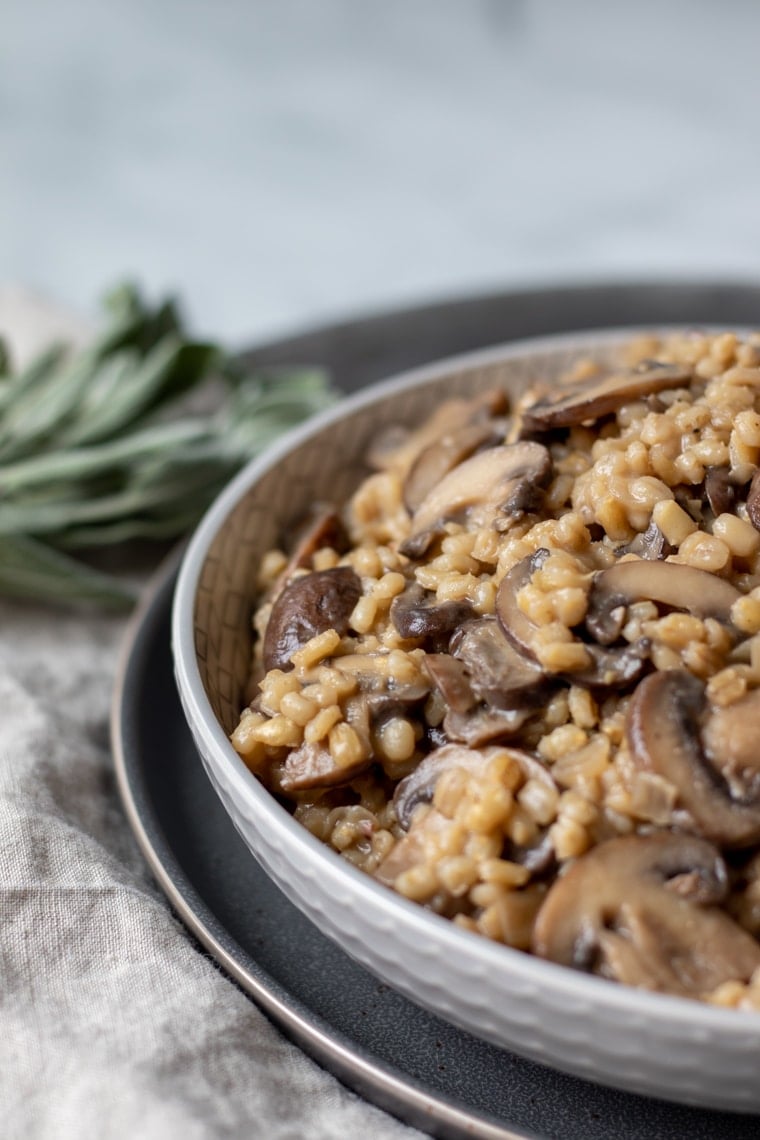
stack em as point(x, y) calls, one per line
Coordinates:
point(324, 462)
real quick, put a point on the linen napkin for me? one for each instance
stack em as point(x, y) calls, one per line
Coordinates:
point(112, 1023)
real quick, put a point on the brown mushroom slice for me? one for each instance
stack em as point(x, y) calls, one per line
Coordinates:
point(711, 766)
point(616, 668)
point(517, 627)
point(505, 481)
point(419, 787)
point(468, 720)
point(641, 910)
point(720, 491)
point(321, 527)
point(450, 678)
point(499, 674)
point(753, 501)
point(397, 448)
point(596, 398)
point(651, 544)
point(482, 725)
point(416, 614)
point(309, 605)
point(609, 669)
point(668, 583)
point(448, 451)
point(313, 766)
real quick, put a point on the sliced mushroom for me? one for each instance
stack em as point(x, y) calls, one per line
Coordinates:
point(500, 483)
point(397, 448)
point(641, 910)
point(613, 668)
point(517, 627)
point(753, 501)
point(483, 725)
point(312, 766)
point(669, 583)
point(419, 787)
point(416, 614)
point(439, 457)
point(609, 668)
point(309, 605)
point(321, 527)
point(712, 761)
point(469, 718)
point(651, 544)
point(499, 675)
point(450, 678)
point(596, 398)
point(720, 491)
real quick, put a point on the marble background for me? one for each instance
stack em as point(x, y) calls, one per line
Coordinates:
point(281, 162)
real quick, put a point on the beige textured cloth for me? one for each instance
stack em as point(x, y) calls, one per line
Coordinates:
point(112, 1024)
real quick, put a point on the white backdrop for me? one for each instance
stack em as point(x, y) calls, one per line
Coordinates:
point(281, 163)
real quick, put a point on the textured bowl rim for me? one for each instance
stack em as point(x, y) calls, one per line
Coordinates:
point(619, 999)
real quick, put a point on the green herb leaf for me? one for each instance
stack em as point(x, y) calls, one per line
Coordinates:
point(103, 445)
point(33, 570)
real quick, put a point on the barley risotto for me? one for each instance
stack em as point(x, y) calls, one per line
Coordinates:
point(516, 677)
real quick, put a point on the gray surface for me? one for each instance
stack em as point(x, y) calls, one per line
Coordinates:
point(280, 162)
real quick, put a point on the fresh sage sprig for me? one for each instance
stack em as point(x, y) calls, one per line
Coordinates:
point(103, 445)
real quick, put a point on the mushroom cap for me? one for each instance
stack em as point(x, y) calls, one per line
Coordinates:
point(419, 786)
point(710, 760)
point(416, 614)
point(309, 605)
point(641, 910)
point(320, 527)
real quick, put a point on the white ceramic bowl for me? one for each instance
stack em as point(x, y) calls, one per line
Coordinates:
point(668, 1047)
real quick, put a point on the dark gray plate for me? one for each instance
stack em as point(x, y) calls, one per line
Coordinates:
point(401, 1058)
